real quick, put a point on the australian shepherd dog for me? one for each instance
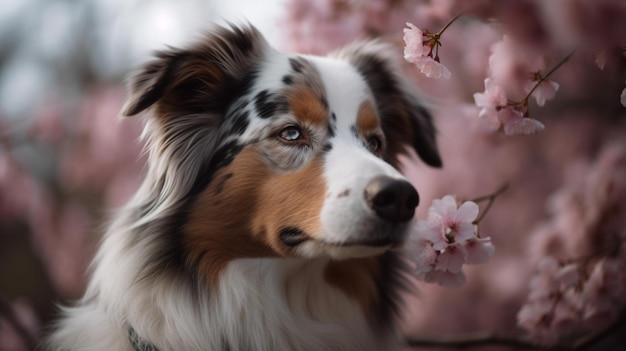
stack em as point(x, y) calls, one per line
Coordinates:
point(272, 208)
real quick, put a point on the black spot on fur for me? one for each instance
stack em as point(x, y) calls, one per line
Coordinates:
point(354, 131)
point(331, 130)
point(333, 116)
point(238, 107)
point(240, 123)
point(264, 104)
point(324, 102)
point(222, 157)
point(296, 65)
point(244, 86)
point(327, 147)
point(288, 80)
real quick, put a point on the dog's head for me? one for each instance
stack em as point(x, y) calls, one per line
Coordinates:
point(264, 154)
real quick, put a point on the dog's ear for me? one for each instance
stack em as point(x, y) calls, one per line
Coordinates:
point(199, 79)
point(405, 120)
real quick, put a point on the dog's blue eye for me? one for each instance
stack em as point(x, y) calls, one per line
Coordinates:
point(291, 133)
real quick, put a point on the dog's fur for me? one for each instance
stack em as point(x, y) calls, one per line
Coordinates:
point(254, 228)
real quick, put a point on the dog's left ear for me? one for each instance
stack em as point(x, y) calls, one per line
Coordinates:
point(200, 78)
point(405, 120)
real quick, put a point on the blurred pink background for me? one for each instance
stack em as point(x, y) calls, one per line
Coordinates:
point(66, 160)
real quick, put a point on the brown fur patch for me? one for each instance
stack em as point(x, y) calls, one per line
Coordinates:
point(291, 200)
point(307, 105)
point(367, 119)
point(356, 278)
point(219, 228)
point(240, 215)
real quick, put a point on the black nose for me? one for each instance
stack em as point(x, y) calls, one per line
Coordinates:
point(392, 199)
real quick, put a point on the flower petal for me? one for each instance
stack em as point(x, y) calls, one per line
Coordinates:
point(478, 252)
point(414, 48)
point(464, 232)
point(523, 126)
point(422, 254)
point(467, 212)
point(451, 259)
point(426, 230)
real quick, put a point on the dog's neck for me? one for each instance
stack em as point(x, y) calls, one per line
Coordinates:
point(266, 304)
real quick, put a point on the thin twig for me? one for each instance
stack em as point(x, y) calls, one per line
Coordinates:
point(440, 32)
point(544, 77)
point(491, 198)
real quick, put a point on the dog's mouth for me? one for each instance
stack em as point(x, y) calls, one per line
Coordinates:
point(293, 237)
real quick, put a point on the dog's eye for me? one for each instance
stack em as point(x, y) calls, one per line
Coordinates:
point(290, 133)
point(374, 143)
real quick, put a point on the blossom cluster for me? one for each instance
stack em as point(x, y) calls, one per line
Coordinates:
point(447, 240)
point(568, 298)
point(497, 111)
point(585, 288)
point(422, 50)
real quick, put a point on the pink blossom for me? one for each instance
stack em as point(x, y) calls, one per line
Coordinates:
point(414, 44)
point(490, 101)
point(604, 289)
point(422, 254)
point(565, 298)
point(419, 51)
point(446, 224)
point(588, 290)
point(510, 63)
point(569, 275)
point(451, 259)
point(446, 241)
point(543, 283)
point(545, 91)
point(494, 96)
point(478, 250)
point(432, 69)
point(515, 123)
point(537, 318)
point(495, 111)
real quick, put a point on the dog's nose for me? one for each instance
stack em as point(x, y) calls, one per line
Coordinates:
point(392, 199)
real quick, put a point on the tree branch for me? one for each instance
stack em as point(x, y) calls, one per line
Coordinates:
point(463, 341)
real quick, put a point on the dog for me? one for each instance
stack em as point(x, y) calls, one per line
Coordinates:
point(272, 208)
